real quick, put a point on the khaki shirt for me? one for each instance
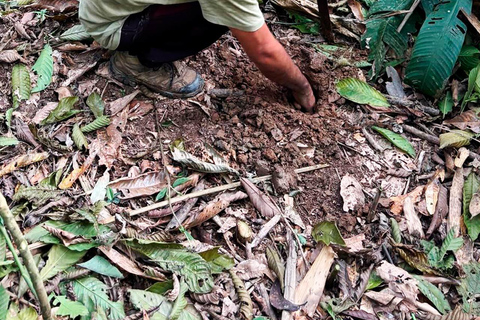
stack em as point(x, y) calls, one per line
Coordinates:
point(103, 19)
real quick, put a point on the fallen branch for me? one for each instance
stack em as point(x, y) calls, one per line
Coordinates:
point(211, 191)
point(22, 245)
point(433, 139)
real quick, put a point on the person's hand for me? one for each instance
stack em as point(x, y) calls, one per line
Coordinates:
point(305, 98)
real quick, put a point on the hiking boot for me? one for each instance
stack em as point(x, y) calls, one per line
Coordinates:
point(173, 79)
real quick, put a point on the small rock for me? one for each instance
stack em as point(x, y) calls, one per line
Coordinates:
point(242, 158)
point(277, 134)
point(262, 168)
point(215, 116)
point(270, 155)
point(284, 180)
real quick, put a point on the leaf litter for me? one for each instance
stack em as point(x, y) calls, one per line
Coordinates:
point(75, 173)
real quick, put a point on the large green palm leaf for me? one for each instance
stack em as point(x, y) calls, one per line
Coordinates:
point(437, 47)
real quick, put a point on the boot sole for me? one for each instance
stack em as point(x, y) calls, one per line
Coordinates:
point(132, 83)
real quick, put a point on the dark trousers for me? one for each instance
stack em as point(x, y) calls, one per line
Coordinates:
point(166, 33)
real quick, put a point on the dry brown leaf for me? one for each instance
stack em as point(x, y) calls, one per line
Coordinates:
point(126, 264)
point(355, 243)
point(259, 200)
point(10, 56)
point(57, 6)
point(250, 269)
point(75, 73)
point(356, 8)
point(43, 113)
point(119, 104)
point(352, 194)
point(63, 92)
point(214, 208)
point(431, 195)
point(75, 46)
point(360, 314)
point(76, 173)
point(143, 185)
point(415, 258)
point(466, 120)
point(475, 205)
point(139, 108)
point(67, 238)
point(22, 161)
point(310, 289)
point(454, 219)
point(441, 210)
point(278, 301)
point(414, 225)
point(397, 206)
point(462, 155)
point(399, 281)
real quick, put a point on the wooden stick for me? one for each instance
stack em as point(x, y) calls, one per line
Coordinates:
point(214, 190)
point(325, 21)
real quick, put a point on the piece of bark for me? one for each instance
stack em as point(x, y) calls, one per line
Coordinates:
point(414, 224)
point(310, 289)
point(290, 273)
point(454, 218)
point(440, 211)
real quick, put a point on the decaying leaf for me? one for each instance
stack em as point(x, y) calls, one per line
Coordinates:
point(214, 208)
point(454, 218)
point(310, 289)
point(276, 264)
point(433, 294)
point(259, 200)
point(466, 120)
point(397, 206)
point(59, 6)
point(67, 238)
point(78, 137)
point(143, 185)
point(192, 162)
point(455, 138)
point(406, 288)
point(120, 104)
point(21, 88)
point(63, 110)
point(414, 224)
point(352, 194)
point(440, 211)
point(457, 314)
point(431, 195)
point(22, 161)
point(10, 56)
point(246, 308)
point(278, 301)
point(415, 258)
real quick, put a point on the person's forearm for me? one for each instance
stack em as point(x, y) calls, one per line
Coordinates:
point(276, 64)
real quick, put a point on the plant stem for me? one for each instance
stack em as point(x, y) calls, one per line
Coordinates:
point(20, 265)
point(22, 245)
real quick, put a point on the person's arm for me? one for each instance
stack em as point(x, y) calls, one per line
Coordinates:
point(275, 63)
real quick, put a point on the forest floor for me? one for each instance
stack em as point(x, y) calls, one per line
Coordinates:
point(78, 204)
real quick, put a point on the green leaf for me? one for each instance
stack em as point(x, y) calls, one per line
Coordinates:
point(180, 303)
point(144, 300)
point(8, 141)
point(437, 47)
point(396, 233)
point(161, 194)
point(101, 265)
point(374, 281)
point(8, 116)
point(96, 124)
point(59, 259)
point(382, 6)
point(37, 195)
point(95, 103)
point(75, 33)
point(473, 77)
point(397, 140)
point(180, 181)
point(446, 105)
point(433, 294)
point(469, 57)
point(469, 288)
point(44, 69)
point(63, 111)
point(455, 138)
point(195, 270)
point(161, 287)
point(360, 92)
point(70, 308)
point(4, 300)
point(450, 243)
point(79, 138)
point(93, 294)
point(3, 248)
point(470, 187)
point(428, 5)
point(25, 314)
point(21, 88)
point(327, 232)
point(382, 32)
point(218, 262)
